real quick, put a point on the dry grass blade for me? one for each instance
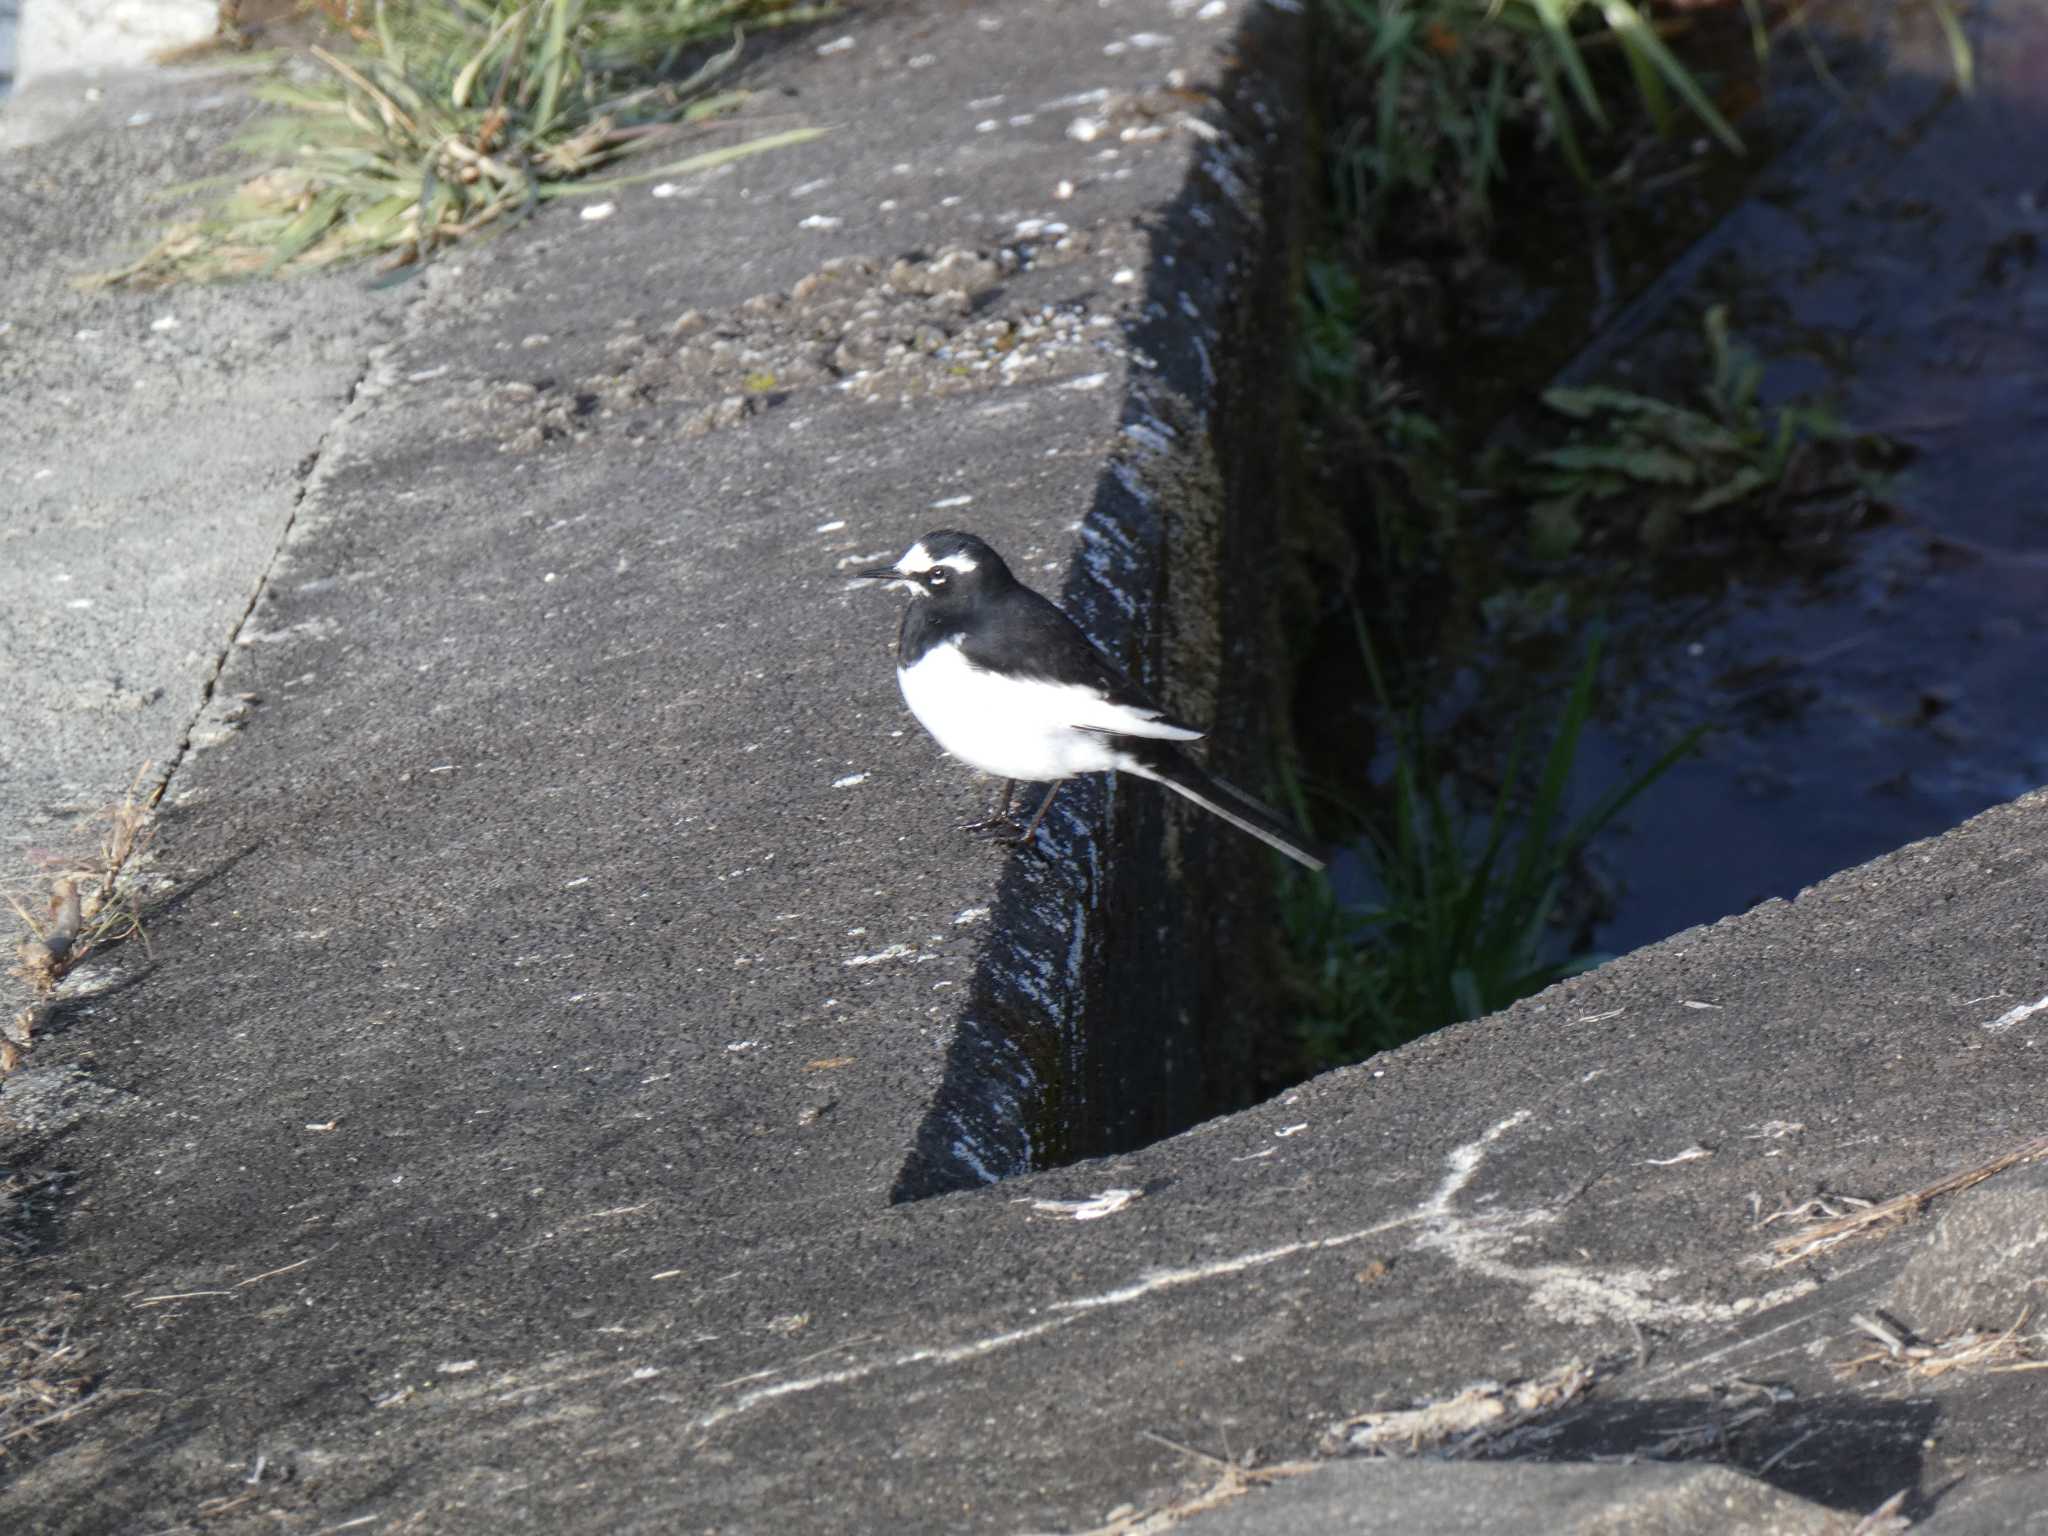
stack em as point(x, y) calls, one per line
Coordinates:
point(1820, 1208)
point(1993, 1353)
point(1233, 1480)
point(400, 149)
point(43, 954)
point(1466, 1426)
point(1867, 1222)
point(1885, 1518)
point(85, 909)
point(41, 1382)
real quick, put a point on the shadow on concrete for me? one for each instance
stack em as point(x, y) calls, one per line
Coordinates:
point(1128, 981)
point(1847, 1451)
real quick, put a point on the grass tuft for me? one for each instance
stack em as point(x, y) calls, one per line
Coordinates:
point(1453, 79)
point(1462, 924)
point(1681, 467)
point(1459, 85)
point(455, 115)
point(82, 909)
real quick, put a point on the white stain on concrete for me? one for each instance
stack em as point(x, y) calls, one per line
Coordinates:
point(1571, 1293)
point(1108, 1203)
point(2012, 1016)
point(1475, 1241)
point(949, 1356)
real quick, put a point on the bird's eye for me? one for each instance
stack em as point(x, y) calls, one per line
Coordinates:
point(937, 578)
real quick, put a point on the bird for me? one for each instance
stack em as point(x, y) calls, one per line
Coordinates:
point(1007, 683)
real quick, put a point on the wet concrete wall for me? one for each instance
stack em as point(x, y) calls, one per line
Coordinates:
point(1132, 976)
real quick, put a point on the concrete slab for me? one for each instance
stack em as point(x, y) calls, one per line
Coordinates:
point(1390, 1498)
point(558, 675)
point(1985, 1267)
point(152, 445)
point(2014, 1506)
point(725, 1350)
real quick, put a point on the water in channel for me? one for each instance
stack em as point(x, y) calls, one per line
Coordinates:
point(1870, 671)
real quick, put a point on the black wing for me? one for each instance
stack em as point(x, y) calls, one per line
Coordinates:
point(1026, 636)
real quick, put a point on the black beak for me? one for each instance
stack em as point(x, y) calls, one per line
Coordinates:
point(880, 573)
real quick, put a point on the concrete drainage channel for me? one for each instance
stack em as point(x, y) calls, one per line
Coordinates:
point(573, 979)
point(1132, 969)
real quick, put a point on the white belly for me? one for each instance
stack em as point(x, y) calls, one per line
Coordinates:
point(1019, 730)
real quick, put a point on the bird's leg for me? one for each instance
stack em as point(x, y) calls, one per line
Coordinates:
point(998, 822)
point(1044, 805)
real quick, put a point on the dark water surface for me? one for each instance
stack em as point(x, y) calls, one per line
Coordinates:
point(1883, 684)
point(1870, 672)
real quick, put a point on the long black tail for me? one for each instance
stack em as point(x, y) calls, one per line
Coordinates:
point(1165, 763)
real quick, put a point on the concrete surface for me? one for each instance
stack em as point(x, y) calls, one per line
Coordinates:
point(152, 446)
point(1982, 1256)
point(57, 36)
point(569, 957)
point(1399, 1498)
point(2012, 1506)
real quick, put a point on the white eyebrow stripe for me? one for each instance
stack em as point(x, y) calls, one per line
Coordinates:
point(961, 563)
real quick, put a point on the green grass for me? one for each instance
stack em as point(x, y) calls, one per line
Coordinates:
point(1452, 78)
point(454, 115)
point(1463, 923)
point(1670, 466)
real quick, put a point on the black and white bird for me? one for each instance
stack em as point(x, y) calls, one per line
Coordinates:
point(1008, 684)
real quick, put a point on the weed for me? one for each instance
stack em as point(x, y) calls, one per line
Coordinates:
point(1462, 924)
point(1329, 328)
point(458, 114)
point(85, 908)
point(1451, 79)
point(1453, 82)
point(1673, 463)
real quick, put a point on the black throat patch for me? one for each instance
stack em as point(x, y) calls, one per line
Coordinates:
point(923, 628)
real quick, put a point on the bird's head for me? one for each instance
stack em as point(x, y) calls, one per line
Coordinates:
point(946, 566)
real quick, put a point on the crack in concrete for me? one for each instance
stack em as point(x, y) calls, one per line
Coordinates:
point(211, 685)
point(311, 472)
